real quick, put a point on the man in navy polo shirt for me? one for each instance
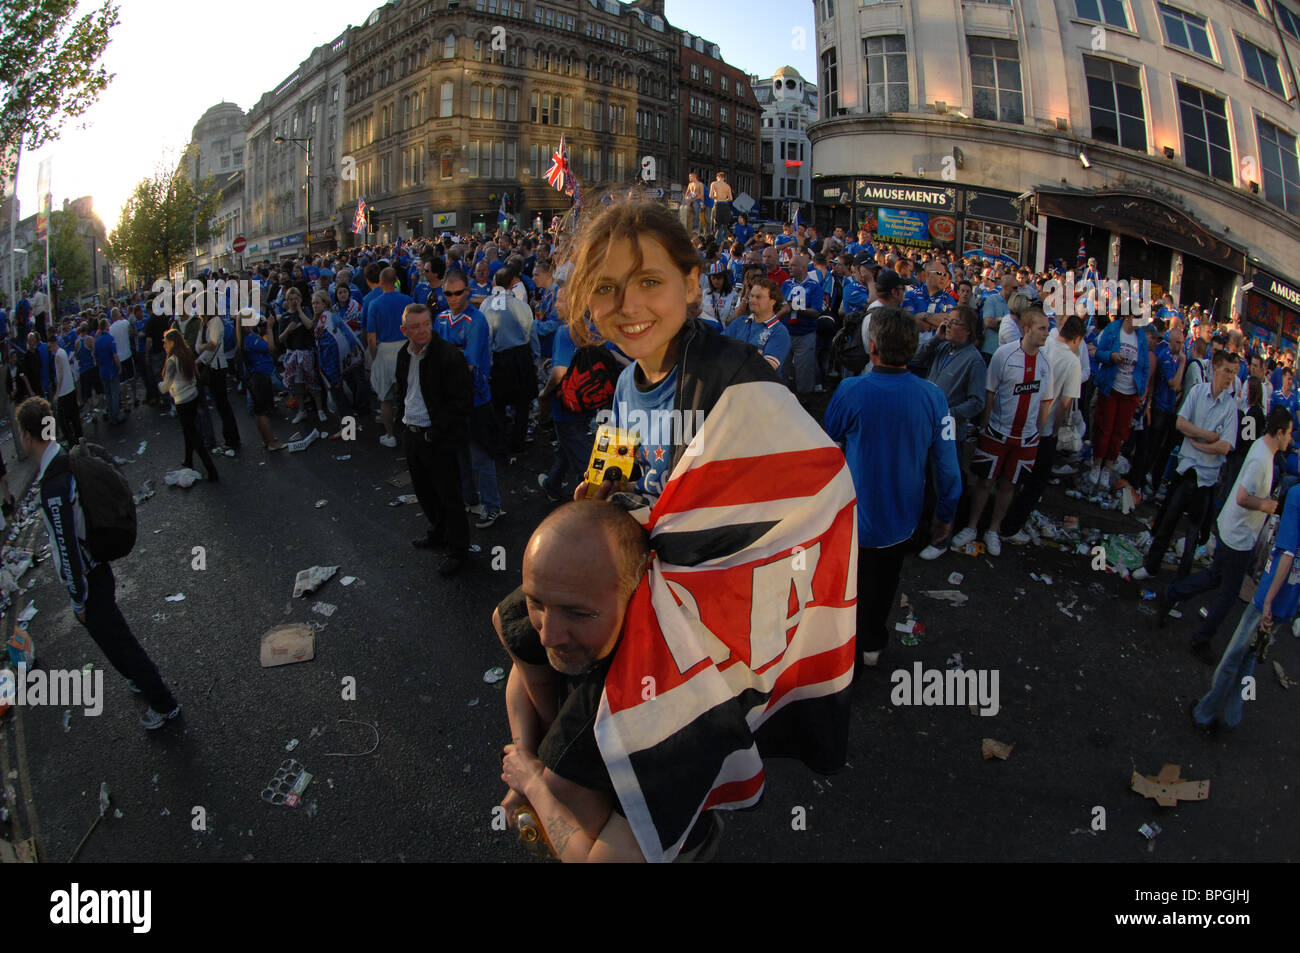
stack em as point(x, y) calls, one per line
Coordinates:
point(762, 327)
point(930, 300)
point(467, 328)
point(803, 306)
point(109, 366)
point(892, 425)
point(383, 329)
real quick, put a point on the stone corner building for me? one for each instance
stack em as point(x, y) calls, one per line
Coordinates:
point(1160, 133)
point(452, 105)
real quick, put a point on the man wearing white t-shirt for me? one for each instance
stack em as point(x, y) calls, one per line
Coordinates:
point(1248, 506)
point(121, 331)
point(1062, 350)
point(1018, 402)
point(65, 396)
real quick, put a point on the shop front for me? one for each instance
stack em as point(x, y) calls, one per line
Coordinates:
point(1273, 306)
point(981, 223)
point(1137, 237)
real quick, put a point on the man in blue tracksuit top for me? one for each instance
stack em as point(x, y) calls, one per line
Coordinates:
point(892, 423)
point(803, 306)
point(90, 585)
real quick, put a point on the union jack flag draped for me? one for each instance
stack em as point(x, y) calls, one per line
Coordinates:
point(746, 621)
point(360, 221)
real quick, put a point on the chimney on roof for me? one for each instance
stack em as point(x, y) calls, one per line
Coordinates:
point(652, 6)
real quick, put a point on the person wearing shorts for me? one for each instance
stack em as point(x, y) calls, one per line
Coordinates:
point(1018, 401)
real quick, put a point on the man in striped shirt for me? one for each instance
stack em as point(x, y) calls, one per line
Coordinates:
point(1018, 401)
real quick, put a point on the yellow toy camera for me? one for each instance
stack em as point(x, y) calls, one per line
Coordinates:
point(613, 452)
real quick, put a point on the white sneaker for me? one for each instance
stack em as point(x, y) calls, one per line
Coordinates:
point(388, 441)
point(1064, 470)
point(963, 539)
point(932, 552)
point(1021, 538)
point(993, 543)
point(301, 416)
point(1140, 574)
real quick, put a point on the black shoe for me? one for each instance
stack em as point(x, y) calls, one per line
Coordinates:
point(1202, 651)
point(8, 507)
point(451, 564)
point(1162, 607)
point(428, 542)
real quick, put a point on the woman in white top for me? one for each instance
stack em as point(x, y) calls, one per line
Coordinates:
point(179, 380)
point(718, 307)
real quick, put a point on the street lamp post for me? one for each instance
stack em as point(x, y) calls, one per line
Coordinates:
point(305, 144)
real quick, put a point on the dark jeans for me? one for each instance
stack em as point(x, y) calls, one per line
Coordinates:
point(229, 429)
point(202, 418)
point(1154, 446)
point(188, 413)
point(106, 625)
point(514, 385)
point(1031, 491)
point(1185, 496)
point(1226, 572)
point(572, 454)
point(435, 478)
point(878, 573)
point(70, 417)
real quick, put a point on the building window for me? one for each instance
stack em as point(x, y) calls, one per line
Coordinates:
point(1206, 147)
point(695, 71)
point(475, 94)
point(446, 164)
point(513, 114)
point(827, 8)
point(472, 152)
point(567, 117)
point(1281, 167)
point(724, 147)
point(1186, 30)
point(830, 82)
point(1115, 101)
point(449, 47)
point(995, 79)
point(726, 83)
point(385, 183)
point(448, 88)
point(1288, 20)
point(887, 87)
point(1109, 12)
point(722, 115)
point(1261, 66)
point(708, 77)
point(500, 113)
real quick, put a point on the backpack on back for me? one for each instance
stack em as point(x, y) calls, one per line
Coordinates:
point(846, 347)
point(106, 502)
point(588, 384)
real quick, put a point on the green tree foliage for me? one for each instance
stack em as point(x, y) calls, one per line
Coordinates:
point(158, 227)
point(50, 69)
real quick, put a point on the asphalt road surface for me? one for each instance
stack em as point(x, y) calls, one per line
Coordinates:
point(1082, 701)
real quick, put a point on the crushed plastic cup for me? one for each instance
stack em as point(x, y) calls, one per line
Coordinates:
point(494, 675)
point(293, 743)
point(1150, 830)
point(955, 579)
point(103, 798)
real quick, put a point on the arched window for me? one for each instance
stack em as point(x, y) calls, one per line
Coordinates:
point(449, 47)
point(448, 95)
point(475, 93)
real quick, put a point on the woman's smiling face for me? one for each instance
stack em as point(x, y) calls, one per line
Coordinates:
point(642, 307)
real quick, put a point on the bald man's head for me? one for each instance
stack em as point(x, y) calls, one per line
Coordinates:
point(580, 568)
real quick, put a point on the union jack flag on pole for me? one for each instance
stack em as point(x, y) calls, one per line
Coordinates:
point(361, 221)
point(558, 176)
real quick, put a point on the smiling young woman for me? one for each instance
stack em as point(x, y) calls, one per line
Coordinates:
point(710, 410)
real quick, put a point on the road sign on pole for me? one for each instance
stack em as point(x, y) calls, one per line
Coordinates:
point(239, 244)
